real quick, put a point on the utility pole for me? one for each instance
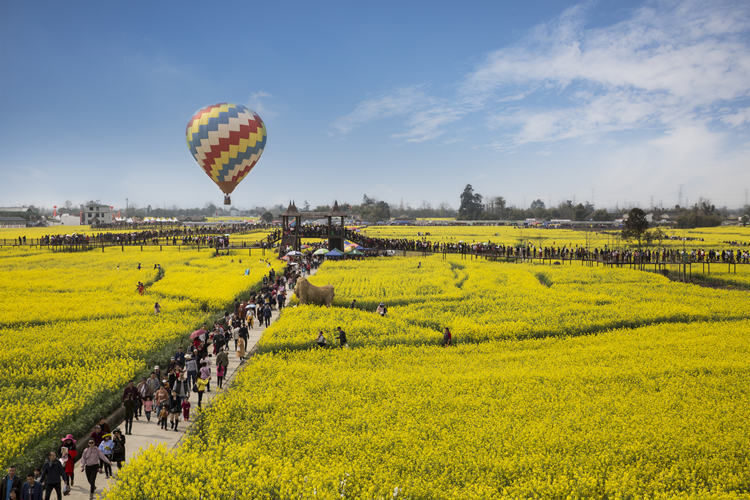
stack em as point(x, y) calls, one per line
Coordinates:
point(126, 208)
point(679, 196)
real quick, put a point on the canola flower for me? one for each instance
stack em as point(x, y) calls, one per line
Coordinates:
point(75, 330)
point(481, 301)
point(706, 237)
point(658, 411)
point(566, 381)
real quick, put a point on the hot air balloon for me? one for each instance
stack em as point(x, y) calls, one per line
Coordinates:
point(226, 140)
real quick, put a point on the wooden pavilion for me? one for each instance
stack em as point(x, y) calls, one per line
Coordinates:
point(291, 236)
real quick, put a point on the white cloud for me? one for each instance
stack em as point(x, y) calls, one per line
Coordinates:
point(738, 118)
point(399, 103)
point(664, 65)
point(257, 102)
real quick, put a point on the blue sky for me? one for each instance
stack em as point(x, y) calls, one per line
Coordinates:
point(606, 100)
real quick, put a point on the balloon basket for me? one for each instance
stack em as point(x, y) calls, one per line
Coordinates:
point(227, 200)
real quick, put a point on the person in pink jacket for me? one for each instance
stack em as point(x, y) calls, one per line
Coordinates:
point(90, 463)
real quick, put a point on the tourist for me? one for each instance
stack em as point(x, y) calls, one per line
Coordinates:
point(241, 349)
point(186, 410)
point(382, 309)
point(31, 490)
point(179, 357)
point(342, 337)
point(129, 401)
point(161, 398)
point(107, 446)
point(205, 373)
point(148, 406)
point(201, 384)
point(447, 337)
point(153, 383)
point(97, 434)
point(353, 304)
point(267, 315)
point(157, 308)
point(68, 454)
point(175, 407)
point(163, 414)
point(321, 340)
point(53, 473)
point(118, 450)
point(144, 391)
point(222, 363)
point(181, 387)
point(191, 365)
point(11, 482)
point(90, 459)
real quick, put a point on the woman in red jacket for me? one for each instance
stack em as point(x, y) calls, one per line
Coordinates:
point(68, 456)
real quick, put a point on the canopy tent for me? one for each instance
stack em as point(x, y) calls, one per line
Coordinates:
point(335, 253)
point(356, 252)
point(320, 251)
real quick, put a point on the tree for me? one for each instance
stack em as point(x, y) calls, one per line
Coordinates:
point(636, 225)
point(471, 204)
point(382, 211)
point(267, 217)
point(601, 214)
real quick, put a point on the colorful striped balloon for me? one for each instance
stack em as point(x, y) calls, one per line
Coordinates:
point(226, 140)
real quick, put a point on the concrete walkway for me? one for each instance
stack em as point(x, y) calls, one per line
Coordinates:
point(146, 433)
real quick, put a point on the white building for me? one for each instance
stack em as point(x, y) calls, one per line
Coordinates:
point(69, 220)
point(96, 213)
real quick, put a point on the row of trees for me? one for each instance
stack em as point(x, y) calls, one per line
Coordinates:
point(474, 206)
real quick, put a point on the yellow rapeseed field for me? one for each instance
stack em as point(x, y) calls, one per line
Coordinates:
point(75, 330)
point(566, 381)
point(705, 238)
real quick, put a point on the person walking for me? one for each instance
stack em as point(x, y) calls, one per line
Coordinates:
point(186, 410)
point(201, 384)
point(191, 366)
point(153, 383)
point(222, 362)
point(181, 387)
point(90, 464)
point(53, 474)
point(175, 407)
point(11, 482)
point(267, 315)
point(241, 349)
point(130, 398)
point(148, 406)
point(144, 391)
point(205, 373)
point(68, 453)
point(107, 446)
point(31, 489)
point(118, 450)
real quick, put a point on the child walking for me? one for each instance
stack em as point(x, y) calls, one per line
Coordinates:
point(148, 407)
point(107, 446)
point(163, 414)
point(186, 410)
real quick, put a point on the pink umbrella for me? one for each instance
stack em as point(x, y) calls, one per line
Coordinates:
point(197, 333)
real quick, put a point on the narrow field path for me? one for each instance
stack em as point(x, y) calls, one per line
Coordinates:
point(145, 434)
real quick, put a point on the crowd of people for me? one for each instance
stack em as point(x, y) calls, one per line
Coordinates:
point(204, 235)
point(163, 397)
